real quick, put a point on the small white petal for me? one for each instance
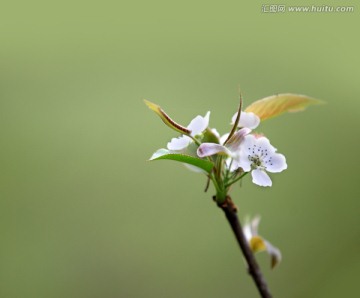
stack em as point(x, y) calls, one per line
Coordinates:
point(178, 144)
point(223, 138)
point(261, 178)
point(247, 145)
point(199, 124)
point(249, 120)
point(234, 164)
point(247, 232)
point(276, 164)
point(254, 224)
point(274, 252)
point(264, 143)
point(208, 149)
point(244, 162)
point(159, 152)
point(215, 132)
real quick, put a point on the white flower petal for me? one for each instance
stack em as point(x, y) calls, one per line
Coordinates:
point(215, 132)
point(178, 144)
point(250, 228)
point(261, 178)
point(158, 153)
point(208, 149)
point(199, 124)
point(277, 163)
point(249, 120)
point(244, 162)
point(264, 143)
point(254, 224)
point(274, 252)
point(234, 164)
point(247, 145)
point(247, 232)
point(246, 149)
point(223, 138)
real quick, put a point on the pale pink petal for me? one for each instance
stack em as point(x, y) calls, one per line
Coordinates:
point(199, 124)
point(276, 163)
point(249, 120)
point(235, 141)
point(208, 149)
point(261, 178)
point(178, 144)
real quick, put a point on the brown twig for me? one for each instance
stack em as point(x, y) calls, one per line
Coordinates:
point(254, 270)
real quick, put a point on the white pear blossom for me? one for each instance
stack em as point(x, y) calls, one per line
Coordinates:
point(247, 119)
point(247, 122)
point(259, 156)
point(258, 243)
point(196, 126)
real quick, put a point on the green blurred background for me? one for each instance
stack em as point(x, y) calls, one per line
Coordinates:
point(83, 214)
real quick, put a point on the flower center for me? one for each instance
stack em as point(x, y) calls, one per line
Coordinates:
point(259, 157)
point(256, 160)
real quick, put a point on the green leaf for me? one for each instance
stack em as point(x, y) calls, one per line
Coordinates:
point(200, 163)
point(276, 105)
point(166, 118)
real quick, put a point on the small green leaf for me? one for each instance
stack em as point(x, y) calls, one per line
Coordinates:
point(200, 163)
point(276, 105)
point(166, 118)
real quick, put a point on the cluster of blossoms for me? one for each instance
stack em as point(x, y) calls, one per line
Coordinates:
point(227, 159)
point(243, 152)
point(233, 155)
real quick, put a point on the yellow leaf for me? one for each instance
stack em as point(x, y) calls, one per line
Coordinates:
point(276, 105)
point(166, 119)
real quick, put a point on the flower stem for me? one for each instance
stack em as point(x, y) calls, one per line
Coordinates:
point(195, 140)
point(253, 268)
point(237, 179)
